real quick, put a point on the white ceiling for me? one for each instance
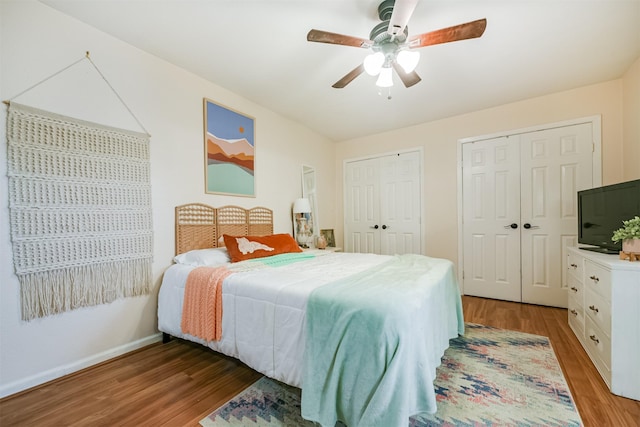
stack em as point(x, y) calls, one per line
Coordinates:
point(258, 49)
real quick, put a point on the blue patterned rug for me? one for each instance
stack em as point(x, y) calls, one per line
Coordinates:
point(488, 377)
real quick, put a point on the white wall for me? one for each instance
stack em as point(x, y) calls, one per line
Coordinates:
point(631, 129)
point(37, 41)
point(440, 141)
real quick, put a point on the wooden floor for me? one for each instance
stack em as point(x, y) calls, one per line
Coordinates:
point(179, 383)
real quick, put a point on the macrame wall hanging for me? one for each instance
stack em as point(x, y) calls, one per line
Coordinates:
point(80, 210)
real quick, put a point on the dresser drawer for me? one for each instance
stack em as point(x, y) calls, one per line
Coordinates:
point(574, 266)
point(598, 345)
point(598, 279)
point(598, 310)
point(576, 288)
point(576, 315)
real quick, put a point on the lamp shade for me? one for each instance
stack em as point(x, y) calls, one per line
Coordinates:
point(373, 63)
point(385, 78)
point(408, 60)
point(301, 206)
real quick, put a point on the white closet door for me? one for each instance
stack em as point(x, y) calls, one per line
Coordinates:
point(555, 164)
point(491, 219)
point(400, 203)
point(529, 180)
point(362, 206)
point(383, 204)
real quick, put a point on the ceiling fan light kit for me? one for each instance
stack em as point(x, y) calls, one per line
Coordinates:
point(391, 46)
point(373, 63)
point(408, 60)
point(385, 79)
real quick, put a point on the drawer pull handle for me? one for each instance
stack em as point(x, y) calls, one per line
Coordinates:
point(594, 278)
point(593, 308)
point(594, 339)
point(575, 313)
point(573, 265)
point(574, 289)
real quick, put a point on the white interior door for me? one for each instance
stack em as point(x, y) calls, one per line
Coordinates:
point(555, 164)
point(529, 182)
point(400, 203)
point(383, 203)
point(491, 219)
point(362, 206)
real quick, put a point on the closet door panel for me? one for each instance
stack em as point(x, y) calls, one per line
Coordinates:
point(491, 185)
point(556, 163)
point(400, 203)
point(362, 212)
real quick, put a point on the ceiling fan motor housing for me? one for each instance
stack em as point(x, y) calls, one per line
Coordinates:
point(385, 9)
point(379, 34)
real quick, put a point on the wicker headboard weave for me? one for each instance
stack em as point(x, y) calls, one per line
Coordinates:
point(199, 226)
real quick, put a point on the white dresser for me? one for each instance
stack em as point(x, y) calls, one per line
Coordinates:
point(604, 313)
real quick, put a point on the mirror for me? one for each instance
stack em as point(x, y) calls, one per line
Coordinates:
point(309, 192)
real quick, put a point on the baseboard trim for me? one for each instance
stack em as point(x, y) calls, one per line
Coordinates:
point(58, 372)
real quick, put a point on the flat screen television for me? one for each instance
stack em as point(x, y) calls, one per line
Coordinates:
point(601, 211)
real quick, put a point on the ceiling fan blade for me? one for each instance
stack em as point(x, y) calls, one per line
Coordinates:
point(349, 77)
point(402, 11)
point(334, 38)
point(408, 79)
point(469, 30)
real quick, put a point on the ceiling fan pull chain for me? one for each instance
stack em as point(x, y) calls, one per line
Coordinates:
point(381, 90)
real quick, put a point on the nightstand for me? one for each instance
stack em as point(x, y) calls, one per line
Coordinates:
point(327, 249)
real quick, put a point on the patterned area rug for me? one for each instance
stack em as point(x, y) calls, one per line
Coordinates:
point(488, 377)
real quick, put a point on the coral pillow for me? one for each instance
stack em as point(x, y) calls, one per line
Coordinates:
point(247, 247)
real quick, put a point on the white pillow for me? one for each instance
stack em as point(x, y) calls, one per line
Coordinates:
point(201, 257)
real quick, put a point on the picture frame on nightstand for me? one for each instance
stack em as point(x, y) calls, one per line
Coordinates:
point(329, 236)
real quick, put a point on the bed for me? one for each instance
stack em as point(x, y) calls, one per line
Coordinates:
point(360, 334)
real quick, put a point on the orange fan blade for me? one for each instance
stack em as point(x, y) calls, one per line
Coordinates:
point(408, 79)
point(320, 36)
point(469, 30)
point(349, 77)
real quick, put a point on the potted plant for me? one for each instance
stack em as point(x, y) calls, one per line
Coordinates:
point(629, 234)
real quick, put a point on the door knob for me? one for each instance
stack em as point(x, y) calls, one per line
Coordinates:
point(529, 226)
point(384, 227)
point(514, 226)
point(376, 226)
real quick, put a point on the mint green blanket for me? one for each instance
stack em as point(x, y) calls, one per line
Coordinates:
point(283, 259)
point(374, 340)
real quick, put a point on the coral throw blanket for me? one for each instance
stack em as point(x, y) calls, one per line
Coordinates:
point(202, 307)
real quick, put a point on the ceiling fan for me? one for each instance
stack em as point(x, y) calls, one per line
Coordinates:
point(391, 46)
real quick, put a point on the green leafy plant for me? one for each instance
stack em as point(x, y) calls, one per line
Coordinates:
point(631, 230)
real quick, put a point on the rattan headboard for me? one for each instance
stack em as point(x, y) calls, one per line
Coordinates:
point(199, 226)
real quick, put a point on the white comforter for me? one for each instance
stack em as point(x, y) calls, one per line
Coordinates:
point(263, 309)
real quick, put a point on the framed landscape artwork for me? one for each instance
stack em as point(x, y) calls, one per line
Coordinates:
point(229, 144)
